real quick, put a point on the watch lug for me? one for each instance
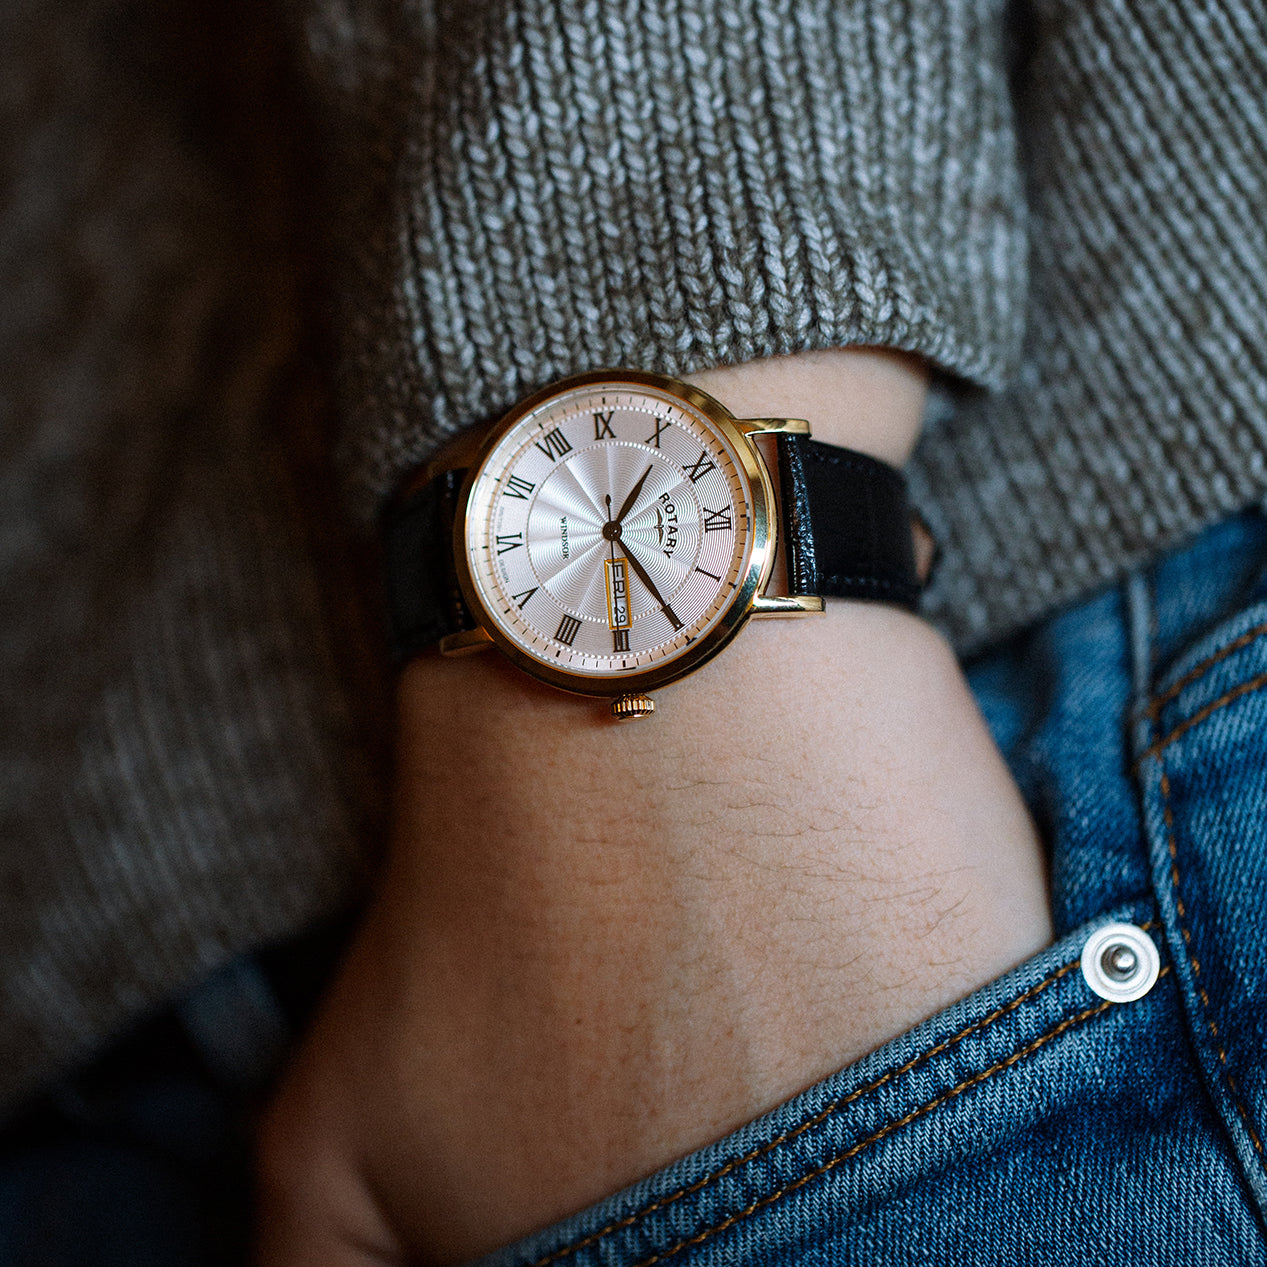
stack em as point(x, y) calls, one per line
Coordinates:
point(773, 426)
point(465, 642)
point(788, 605)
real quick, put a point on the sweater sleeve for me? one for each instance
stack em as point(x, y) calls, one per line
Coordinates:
point(559, 185)
point(189, 713)
point(1139, 413)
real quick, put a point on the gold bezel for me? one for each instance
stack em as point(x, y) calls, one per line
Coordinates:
point(756, 575)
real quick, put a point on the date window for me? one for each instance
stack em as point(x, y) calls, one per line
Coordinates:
point(617, 593)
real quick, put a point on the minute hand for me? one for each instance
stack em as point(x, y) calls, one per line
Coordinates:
point(633, 497)
point(641, 573)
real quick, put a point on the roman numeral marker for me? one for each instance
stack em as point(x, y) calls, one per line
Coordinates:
point(512, 542)
point(660, 425)
point(697, 470)
point(620, 639)
point(520, 599)
point(603, 425)
point(515, 487)
point(710, 576)
point(568, 628)
point(554, 444)
point(716, 520)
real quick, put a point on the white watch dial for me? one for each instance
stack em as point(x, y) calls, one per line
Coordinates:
point(608, 530)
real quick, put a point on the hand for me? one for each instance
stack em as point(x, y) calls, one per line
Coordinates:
point(611, 530)
point(641, 573)
point(576, 971)
point(629, 501)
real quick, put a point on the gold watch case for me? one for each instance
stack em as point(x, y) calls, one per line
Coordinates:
point(747, 598)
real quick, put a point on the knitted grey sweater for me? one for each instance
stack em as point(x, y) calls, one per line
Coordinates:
point(1062, 207)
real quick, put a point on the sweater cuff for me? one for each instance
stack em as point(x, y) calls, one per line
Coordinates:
point(668, 185)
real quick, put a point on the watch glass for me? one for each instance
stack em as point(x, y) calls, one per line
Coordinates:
point(614, 533)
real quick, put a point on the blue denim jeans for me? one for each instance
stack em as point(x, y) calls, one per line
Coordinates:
point(143, 1158)
point(1036, 1122)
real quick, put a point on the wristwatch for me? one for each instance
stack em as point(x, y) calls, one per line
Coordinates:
point(617, 529)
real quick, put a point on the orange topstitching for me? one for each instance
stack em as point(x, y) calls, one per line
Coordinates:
point(935, 1103)
point(1173, 850)
point(821, 1116)
point(1250, 635)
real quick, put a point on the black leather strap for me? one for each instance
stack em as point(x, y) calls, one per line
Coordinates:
point(846, 532)
point(424, 603)
point(846, 524)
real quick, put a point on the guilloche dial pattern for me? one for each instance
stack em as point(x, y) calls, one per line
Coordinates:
point(608, 530)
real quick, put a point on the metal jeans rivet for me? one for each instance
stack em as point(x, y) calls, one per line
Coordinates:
point(1120, 962)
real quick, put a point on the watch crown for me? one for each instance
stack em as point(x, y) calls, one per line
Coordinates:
point(628, 707)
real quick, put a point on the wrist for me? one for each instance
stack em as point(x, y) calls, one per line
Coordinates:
point(868, 399)
point(654, 933)
point(598, 947)
point(609, 916)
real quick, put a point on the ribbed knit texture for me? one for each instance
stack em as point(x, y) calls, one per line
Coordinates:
point(675, 183)
point(181, 774)
point(1140, 413)
point(667, 184)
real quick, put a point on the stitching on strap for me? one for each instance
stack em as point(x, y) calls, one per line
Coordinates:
point(821, 1116)
point(854, 462)
point(871, 582)
point(884, 1131)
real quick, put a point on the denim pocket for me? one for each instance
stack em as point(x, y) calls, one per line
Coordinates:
point(1202, 741)
point(1036, 1122)
point(1033, 1122)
